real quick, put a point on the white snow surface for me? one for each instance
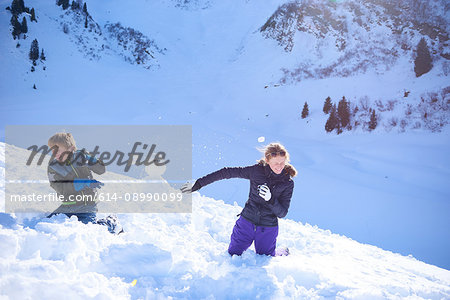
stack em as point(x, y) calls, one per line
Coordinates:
point(384, 188)
point(184, 256)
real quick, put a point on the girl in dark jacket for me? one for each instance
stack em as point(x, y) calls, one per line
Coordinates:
point(271, 188)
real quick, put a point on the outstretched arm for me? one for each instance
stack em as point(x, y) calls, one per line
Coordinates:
point(224, 173)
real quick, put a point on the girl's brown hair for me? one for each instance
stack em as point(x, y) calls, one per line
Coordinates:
point(278, 149)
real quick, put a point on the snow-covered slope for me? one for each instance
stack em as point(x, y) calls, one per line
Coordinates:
point(185, 256)
point(221, 74)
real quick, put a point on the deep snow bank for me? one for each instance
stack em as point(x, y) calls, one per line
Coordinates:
point(184, 256)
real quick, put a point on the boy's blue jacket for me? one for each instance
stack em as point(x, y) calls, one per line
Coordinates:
point(78, 167)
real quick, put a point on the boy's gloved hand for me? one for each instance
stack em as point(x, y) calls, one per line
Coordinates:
point(264, 192)
point(80, 184)
point(90, 159)
point(95, 184)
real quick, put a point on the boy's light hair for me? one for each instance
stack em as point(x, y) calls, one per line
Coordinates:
point(64, 139)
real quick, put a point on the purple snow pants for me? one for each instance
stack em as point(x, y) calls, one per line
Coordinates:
point(245, 232)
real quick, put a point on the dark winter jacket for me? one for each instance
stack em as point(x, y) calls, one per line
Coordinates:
point(257, 210)
point(62, 176)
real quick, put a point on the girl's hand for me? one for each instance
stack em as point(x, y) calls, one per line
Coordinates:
point(186, 188)
point(189, 188)
point(264, 192)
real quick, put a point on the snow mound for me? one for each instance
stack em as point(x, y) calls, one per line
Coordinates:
point(185, 256)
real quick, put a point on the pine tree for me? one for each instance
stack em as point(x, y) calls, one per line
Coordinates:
point(75, 5)
point(305, 111)
point(13, 20)
point(85, 8)
point(42, 55)
point(343, 113)
point(34, 51)
point(86, 22)
point(24, 26)
point(423, 61)
point(21, 6)
point(327, 105)
point(17, 28)
point(14, 7)
point(33, 15)
point(34, 86)
point(63, 3)
point(17, 7)
point(333, 121)
point(373, 121)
